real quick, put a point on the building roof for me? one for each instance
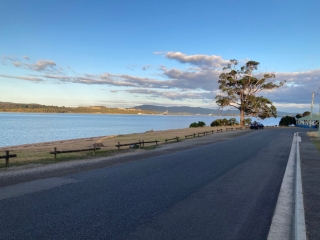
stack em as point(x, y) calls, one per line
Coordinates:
point(307, 118)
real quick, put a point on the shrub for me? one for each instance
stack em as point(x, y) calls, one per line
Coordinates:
point(233, 121)
point(224, 122)
point(216, 123)
point(201, 124)
point(247, 121)
point(287, 120)
point(193, 125)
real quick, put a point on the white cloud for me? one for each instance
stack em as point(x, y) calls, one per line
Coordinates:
point(198, 81)
point(202, 60)
point(31, 79)
point(26, 57)
point(40, 66)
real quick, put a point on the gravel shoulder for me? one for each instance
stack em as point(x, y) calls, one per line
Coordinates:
point(310, 170)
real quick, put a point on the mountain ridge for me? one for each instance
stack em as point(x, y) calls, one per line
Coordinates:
point(195, 110)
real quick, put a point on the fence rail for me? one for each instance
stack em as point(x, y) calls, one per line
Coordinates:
point(136, 143)
point(170, 139)
point(191, 135)
point(55, 151)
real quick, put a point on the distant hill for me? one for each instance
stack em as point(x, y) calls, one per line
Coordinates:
point(194, 110)
point(32, 107)
point(186, 110)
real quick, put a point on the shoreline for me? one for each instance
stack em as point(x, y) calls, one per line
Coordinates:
point(40, 152)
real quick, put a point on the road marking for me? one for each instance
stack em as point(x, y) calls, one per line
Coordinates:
point(33, 186)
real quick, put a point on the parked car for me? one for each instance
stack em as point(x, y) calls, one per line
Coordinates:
point(256, 125)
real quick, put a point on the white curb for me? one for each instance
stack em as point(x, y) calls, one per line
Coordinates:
point(288, 221)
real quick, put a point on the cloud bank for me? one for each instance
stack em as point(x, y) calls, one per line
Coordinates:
point(199, 80)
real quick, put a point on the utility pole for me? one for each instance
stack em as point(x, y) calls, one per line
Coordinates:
point(311, 109)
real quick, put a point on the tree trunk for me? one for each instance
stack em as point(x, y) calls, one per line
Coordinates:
point(241, 117)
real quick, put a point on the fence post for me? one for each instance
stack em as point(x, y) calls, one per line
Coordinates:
point(55, 152)
point(7, 158)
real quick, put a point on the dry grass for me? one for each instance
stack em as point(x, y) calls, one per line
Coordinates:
point(40, 152)
point(315, 139)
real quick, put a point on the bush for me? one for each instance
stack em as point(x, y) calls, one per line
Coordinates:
point(216, 123)
point(224, 122)
point(193, 125)
point(233, 121)
point(247, 121)
point(287, 120)
point(201, 124)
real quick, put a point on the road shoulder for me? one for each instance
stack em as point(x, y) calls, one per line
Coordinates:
point(310, 170)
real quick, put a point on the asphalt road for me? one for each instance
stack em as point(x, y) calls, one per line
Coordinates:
point(223, 190)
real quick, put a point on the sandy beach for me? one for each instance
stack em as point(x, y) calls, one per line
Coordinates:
point(40, 152)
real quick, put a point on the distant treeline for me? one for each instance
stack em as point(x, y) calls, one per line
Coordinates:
point(19, 107)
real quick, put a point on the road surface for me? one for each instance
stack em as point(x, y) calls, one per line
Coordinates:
point(221, 190)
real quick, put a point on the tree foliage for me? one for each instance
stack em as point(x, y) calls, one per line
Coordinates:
point(287, 120)
point(306, 113)
point(224, 122)
point(239, 88)
point(197, 124)
point(247, 121)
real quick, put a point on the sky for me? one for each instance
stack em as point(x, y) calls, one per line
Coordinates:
point(127, 53)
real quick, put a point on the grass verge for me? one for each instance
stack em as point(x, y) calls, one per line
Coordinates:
point(315, 139)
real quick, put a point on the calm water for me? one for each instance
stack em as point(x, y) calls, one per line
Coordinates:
point(26, 128)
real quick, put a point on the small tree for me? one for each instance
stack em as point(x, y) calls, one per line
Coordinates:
point(306, 113)
point(287, 120)
point(233, 121)
point(193, 125)
point(299, 115)
point(247, 121)
point(216, 123)
point(239, 88)
point(201, 124)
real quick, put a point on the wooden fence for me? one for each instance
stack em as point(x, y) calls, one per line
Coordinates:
point(55, 151)
point(140, 143)
point(7, 157)
point(170, 139)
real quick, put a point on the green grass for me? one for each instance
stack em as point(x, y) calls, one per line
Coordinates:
point(316, 142)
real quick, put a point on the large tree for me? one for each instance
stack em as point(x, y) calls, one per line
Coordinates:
point(239, 88)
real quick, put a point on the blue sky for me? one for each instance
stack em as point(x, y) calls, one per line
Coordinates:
point(169, 53)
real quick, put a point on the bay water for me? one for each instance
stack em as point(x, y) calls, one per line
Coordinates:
point(27, 128)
